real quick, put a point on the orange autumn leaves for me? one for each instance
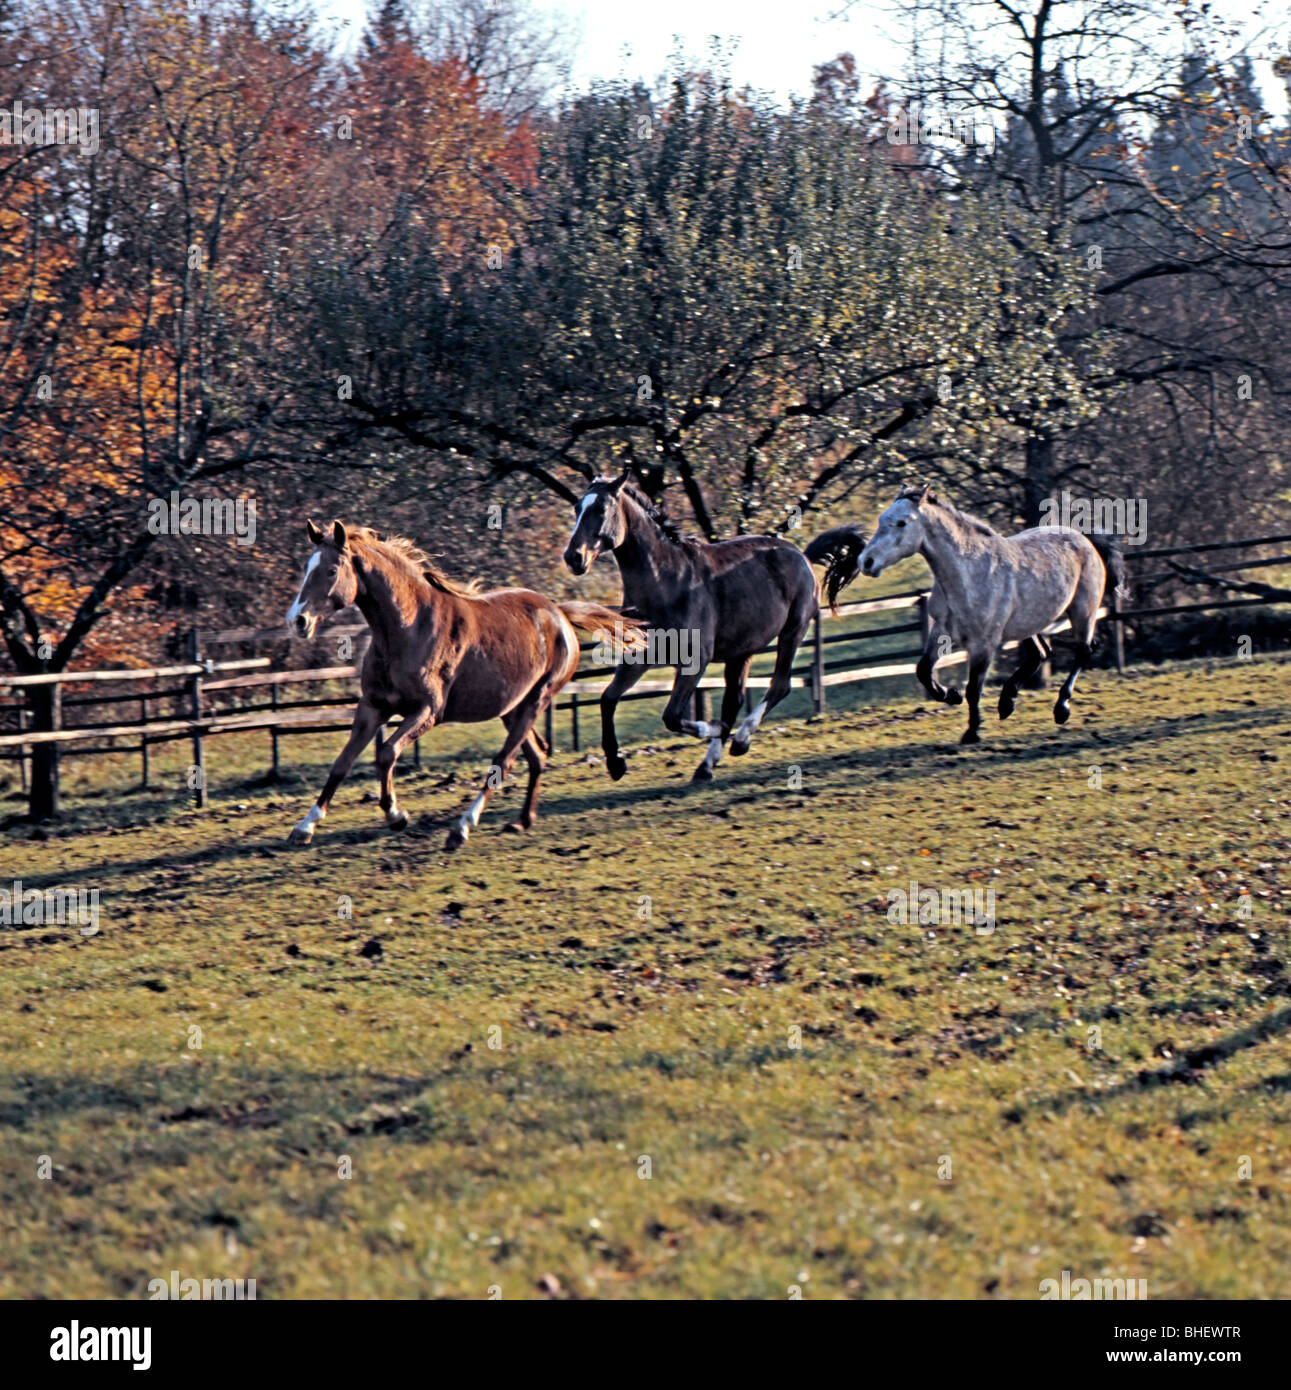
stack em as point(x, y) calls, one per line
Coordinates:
point(140, 291)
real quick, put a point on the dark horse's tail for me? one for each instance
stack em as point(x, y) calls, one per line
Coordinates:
point(839, 551)
point(1112, 554)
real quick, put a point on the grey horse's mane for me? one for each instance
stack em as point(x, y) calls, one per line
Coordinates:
point(921, 495)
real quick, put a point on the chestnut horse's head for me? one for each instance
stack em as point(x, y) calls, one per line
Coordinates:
point(331, 580)
point(599, 523)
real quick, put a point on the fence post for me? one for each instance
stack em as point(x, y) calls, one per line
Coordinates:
point(1118, 633)
point(551, 725)
point(818, 667)
point(573, 721)
point(143, 743)
point(22, 749)
point(47, 715)
point(925, 621)
point(195, 710)
point(273, 733)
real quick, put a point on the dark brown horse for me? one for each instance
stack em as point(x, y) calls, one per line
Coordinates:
point(723, 601)
point(441, 653)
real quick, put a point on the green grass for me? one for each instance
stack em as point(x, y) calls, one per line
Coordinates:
point(649, 956)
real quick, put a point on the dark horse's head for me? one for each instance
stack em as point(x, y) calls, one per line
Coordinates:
point(331, 580)
point(599, 523)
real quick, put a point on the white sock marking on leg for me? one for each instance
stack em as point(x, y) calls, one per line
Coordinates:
point(749, 727)
point(471, 816)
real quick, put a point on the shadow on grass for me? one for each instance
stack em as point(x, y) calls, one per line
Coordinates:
point(1189, 1069)
point(901, 763)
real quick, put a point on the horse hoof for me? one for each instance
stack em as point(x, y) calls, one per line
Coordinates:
point(299, 837)
point(1061, 713)
point(455, 839)
point(970, 736)
point(515, 827)
point(616, 767)
point(399, 821)
point(738, 747)
point(953, 696)
point(1006, 706)
point(703, 773)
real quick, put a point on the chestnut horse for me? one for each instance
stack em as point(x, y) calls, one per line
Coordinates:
point(441, 653)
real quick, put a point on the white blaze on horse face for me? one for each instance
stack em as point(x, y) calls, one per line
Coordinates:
point(297, 607)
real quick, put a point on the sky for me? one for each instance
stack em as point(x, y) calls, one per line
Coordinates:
point(773, 45)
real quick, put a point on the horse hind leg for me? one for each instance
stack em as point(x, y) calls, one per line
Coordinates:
point(781, 683)
point(1035, 652)
point(535, 751)
point(1084, 658)
point(518, 725)
point(1083, 620)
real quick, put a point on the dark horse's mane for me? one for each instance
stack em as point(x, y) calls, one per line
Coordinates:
point(664, 524)
point(409, 555)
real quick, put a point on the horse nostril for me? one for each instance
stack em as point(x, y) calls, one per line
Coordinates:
point(301, 624)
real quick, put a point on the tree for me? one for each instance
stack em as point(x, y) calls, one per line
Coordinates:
point(137, 283)
point(750, 306)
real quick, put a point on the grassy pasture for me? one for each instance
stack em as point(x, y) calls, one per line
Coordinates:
point(722, 1070)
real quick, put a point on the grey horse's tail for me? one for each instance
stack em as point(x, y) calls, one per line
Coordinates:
point(839, 551)
point(1112, 554)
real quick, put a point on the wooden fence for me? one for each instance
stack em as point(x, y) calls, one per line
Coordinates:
point(208, 682)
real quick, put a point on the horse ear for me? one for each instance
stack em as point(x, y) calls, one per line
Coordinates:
point(339, 539)
point(617, 485)
point(926, 495)
point(314, 534)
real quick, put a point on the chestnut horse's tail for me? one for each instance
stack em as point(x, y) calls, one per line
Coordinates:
point(839, 551)
point(606, 624)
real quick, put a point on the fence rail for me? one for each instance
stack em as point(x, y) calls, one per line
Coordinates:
point(205, 677)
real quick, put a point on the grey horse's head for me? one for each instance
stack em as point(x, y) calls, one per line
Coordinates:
point(900, 532)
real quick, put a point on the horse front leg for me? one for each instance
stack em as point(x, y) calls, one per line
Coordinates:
point(938, 646)
point(623, 679)
point(412, 728)
point(680, 703)
point(736, 674)
point(367, 720)
point(978, 665)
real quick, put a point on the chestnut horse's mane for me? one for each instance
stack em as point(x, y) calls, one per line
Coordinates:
point(406, 554)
